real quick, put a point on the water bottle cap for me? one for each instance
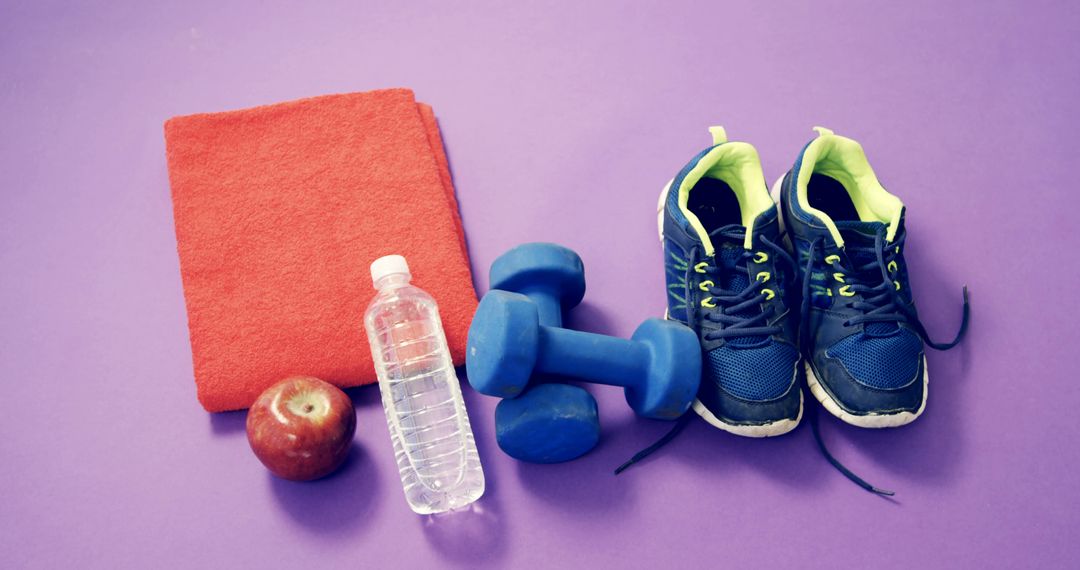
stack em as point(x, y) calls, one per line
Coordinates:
point(388, 265)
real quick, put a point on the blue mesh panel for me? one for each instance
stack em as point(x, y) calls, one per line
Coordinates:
point(760, 373)
point(673, 202)
point(880, 329)
point(736, 281)
point(883, 363)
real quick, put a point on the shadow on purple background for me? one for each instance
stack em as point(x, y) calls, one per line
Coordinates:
point(227, 423)
point(337, 504)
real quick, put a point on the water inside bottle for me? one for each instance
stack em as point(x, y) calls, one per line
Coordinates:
point(433, 441)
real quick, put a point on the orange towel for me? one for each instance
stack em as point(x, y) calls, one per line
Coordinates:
point(280, 209)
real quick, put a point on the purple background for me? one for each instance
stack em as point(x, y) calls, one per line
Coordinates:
point(562, 123)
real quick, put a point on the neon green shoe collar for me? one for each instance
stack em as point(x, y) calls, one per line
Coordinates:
point(738, 165)
point(843, 159)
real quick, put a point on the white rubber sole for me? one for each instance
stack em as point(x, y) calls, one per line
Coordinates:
point(779, 427)
point(660, 212)
point(872, 421)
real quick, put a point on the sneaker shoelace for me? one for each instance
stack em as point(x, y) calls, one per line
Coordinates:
point(728, 308)
point(731, 310)
point(874, 288)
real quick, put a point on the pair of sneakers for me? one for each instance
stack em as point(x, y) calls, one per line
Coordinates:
point(838, 312)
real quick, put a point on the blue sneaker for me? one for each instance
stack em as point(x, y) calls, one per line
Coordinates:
point(861, 337)
point(727, 279)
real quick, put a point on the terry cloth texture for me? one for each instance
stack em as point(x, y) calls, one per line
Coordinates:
point(279, 211)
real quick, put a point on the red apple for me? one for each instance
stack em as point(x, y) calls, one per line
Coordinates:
point(301, 428)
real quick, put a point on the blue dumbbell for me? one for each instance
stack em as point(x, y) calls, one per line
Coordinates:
point(548, 423)
point(659, 367)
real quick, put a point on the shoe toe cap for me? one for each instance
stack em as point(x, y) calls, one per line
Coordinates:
point(751, 385)
point(867, 374)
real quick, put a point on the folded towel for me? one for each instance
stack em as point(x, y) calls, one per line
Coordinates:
point(280, 209)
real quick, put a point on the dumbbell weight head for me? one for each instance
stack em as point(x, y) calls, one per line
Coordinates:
point(551, 275)
point(502, 344)
point(549, 423)
point(674, 370)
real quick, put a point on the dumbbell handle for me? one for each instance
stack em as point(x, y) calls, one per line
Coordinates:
point(547, 304)
point(595, 357)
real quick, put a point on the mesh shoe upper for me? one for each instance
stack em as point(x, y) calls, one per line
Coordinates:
point(753, 368)
point(883, 356)
point(755, 373)
point(857, 309)
point(730, 287)
point(880, 362)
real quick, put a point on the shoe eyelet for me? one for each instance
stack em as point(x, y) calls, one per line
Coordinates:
point(846, 291)
point(705, 285)
point(831, 259)
point(700, 268)
point(769, 293)
point(897, 283)
point(839, 277)
point(708, 303)
point(762, 276)
point(761, 257)
point(892, 266)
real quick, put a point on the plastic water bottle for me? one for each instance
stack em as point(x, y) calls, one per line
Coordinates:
point(433, 442)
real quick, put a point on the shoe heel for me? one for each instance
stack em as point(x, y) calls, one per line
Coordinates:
point(660, 211)
point(774, 193)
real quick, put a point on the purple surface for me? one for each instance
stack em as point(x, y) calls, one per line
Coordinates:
point(562, 123)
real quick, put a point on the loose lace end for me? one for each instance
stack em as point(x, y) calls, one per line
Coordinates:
point(959, 334)
point(670, 435)
point(840, 466)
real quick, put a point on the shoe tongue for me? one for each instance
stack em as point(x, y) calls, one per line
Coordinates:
point(860, 241)
point(730, 232)
point(859, 234)
point(728, 243)
point(734, 278)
